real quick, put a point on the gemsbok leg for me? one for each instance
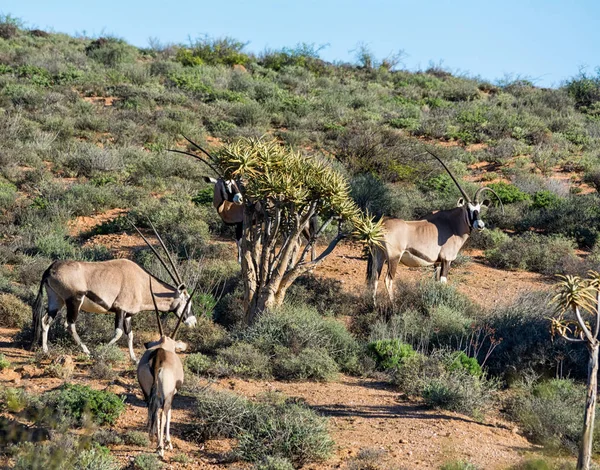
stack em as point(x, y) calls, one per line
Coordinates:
point(129, 333)
point(73, 306)
point(444, 271)
point(389, 278)
point(55, 303)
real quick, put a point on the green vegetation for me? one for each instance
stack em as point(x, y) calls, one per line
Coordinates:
point(551, 412)
point(85, 124)
point(269, 427)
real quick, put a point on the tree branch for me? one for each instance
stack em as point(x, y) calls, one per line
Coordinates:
point(313, 239)
point(582, 325)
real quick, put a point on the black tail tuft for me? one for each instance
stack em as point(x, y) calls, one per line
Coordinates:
point(38, 310)
point(155, 404)
point(371, 276)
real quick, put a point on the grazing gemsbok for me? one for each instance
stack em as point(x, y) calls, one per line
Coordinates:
point(119, 286)
point(160, 375)
point(229, 202)
point(434, 240)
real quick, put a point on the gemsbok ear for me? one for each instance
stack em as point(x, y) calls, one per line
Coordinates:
point(208, 179)
point(461, 202)
point(181, 287)
point(486, 203)
point(180, 346)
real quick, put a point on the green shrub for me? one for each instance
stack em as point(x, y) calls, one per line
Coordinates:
point(269, 427)
point(509, 193)
point(371, 194)
point(64, 455)
point(534, 252)
point(488, 239)
point(458, 390)
point(4, 363)
point(110, 51)
point(14, 313)
point(287, 430)
point(107, 437)
point(390, 353)
point(206, 337)
point(213, 51)
point(309, 364)
point(243, 360)
point(550, 413)
point(460, 361)
point(274, 463)
point(545, 199)
point(443, 384)
point(147, 462)
point(526, 344)
point(76, 402)
point(136, 438)
point(198, 363)
point(297, 327)
point(328, 296)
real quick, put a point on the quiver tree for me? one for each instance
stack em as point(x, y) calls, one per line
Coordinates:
point(578, 321)
point(282, 191)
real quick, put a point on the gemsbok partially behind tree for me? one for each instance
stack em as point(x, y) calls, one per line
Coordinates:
point(229, 202)
point(433, 240)
point(160, 375)
point(118, 286)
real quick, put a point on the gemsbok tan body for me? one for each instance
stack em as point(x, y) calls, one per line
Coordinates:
point(117, 286)
point(435, 240)
point(160, 375)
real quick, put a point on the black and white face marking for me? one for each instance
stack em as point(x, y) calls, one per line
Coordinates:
point(227, 189)
point(474, 216)
point(233, 193)
point(188, 317)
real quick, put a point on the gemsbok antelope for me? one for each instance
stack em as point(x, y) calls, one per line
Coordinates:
point(434, 240)
point(118, 286)
point(160, 375)
point(229, 202)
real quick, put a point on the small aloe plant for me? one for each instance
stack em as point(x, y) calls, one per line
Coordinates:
point(578, 321)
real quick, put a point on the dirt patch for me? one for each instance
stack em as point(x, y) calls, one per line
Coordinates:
point(101, 100)
point(83, 224)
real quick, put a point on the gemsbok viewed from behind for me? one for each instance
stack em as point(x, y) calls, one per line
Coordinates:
point(434, 240)
point(160, 375)
point(118, 286)
point(229, 202)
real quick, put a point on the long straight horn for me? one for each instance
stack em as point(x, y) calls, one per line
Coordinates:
point(183, 311)
point(162, 261)
point(197, 158)
point(173, 265)
point(485, 188)
point(466, 196)
point(200, 148)
point(160, 328)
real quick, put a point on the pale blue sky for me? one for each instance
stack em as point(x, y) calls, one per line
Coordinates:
point(547, 41)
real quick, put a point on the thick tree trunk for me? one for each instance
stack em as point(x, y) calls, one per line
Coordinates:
point(585, 449)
